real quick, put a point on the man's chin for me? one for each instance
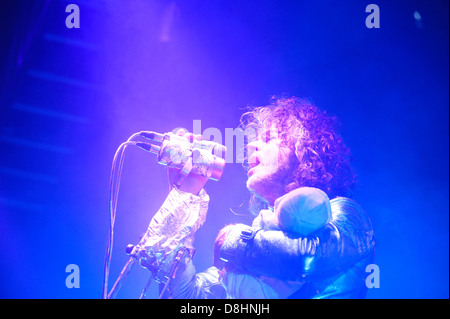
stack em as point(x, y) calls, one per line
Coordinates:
point(256, 185)
point(250, 183)
point(266, 186)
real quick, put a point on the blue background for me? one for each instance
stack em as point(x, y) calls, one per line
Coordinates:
point(69, 97)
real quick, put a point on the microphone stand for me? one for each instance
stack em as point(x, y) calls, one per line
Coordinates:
point(144, 291)
point(129, 265)
point(123, 274)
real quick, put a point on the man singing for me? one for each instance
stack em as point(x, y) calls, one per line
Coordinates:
point(308, 240)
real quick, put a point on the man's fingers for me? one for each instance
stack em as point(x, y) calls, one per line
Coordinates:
point(181, 132)
point(189, 136)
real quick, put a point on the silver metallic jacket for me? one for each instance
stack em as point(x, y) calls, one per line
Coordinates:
point(329, 263)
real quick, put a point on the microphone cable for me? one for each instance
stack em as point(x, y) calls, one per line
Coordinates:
point(114, 185)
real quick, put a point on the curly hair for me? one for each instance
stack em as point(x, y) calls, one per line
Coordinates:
point(321, 158)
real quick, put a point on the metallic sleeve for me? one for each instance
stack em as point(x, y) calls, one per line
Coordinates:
point(172, 228)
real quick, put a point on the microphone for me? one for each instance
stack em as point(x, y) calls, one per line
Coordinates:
point(204, 158)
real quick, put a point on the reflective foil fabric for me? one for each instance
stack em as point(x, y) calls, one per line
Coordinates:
point(173, 227)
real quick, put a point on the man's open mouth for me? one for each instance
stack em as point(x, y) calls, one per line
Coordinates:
point(253, 161)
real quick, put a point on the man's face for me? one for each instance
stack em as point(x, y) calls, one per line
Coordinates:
point(269, 161)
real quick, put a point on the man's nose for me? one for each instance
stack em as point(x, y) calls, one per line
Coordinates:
point(253, 146)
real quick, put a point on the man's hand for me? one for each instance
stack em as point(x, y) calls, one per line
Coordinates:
point(193, 183)
point(267, 220)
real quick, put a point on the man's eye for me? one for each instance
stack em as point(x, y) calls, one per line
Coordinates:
point(269, 135)
point(265, 137)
